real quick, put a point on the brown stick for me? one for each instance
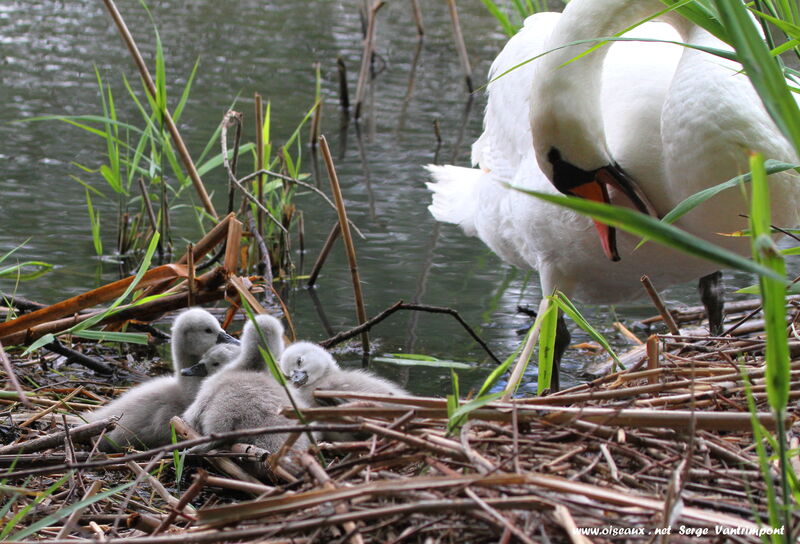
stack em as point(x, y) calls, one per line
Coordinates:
point(660, 306)
point(346, 236)
point(366, 59)
point(417, 13)
point(12, 377)
point(652, 357)
point(80, 433)
point(323, 254)
point(460, 45)
point(151, 88)
point(400, 305)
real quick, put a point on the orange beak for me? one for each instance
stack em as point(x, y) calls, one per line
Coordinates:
point(598, 192)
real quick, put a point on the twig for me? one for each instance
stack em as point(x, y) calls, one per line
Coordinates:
point(366, 58)
point(660, 306)
point(12, 378)
point(80, 433)
point(168, 121)
point(463, 57)
point(159, 488)
point(400, 305)
point(323, 254)
point(417, 13)
point(346, 237)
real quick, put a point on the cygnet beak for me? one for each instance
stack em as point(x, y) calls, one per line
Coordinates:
point(199, 370)
point(225, 338)
point(299, 377)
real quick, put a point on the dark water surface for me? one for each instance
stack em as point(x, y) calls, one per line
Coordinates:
point(49, 50)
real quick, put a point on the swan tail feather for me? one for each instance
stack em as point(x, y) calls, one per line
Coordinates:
point(454, 199)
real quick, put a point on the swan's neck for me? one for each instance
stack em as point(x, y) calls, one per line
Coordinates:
point(566, 112)
point(181, 359)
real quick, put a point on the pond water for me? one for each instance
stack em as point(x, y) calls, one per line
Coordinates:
point(50, 50)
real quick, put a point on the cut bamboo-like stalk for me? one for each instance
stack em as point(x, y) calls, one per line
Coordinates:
point(652, 357)
point(168, 121)
point(347, 238)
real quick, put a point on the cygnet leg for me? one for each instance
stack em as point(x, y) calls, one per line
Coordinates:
point(712, 294)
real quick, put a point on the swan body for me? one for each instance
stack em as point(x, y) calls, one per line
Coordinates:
point(244, 395)
point(532, 234)
point(145, 410)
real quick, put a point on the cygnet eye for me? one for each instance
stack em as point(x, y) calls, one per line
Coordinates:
point(215, 364)
point(299, 362)
point(208, 330)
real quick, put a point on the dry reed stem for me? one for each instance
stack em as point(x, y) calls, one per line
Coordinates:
point(12, 378)
point(346, 236)
point(323, 254)
point(658, 302)
point(188, 163)
point(366, 58)
point(461, 47)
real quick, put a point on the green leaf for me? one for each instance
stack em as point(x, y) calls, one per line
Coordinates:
point(566, 306)
point(547, 346)
point(108, 336)
point(645, 226)
point(400, 359)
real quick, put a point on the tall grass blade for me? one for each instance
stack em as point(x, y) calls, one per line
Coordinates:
point(645, 226)
point(566, 306)
point(762, 69)
point(547, 346)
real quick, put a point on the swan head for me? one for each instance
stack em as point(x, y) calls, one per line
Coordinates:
point(213, 360)
point(194, 332)
point(268, 335)
point(306, 363)
point(568, 126)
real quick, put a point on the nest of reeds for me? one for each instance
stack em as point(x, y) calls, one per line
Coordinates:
point(666, 446)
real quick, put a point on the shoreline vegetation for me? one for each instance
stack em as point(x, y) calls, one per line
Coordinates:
point(685, 438)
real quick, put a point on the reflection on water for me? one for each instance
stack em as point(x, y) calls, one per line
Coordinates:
point(50, 50)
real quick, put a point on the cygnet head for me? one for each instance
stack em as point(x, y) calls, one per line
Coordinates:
point(194, 332)
point(213, 360)
point(271, 330)
point(306, 363)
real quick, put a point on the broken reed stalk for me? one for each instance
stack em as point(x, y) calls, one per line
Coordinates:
point(461, 47)
point(344, 93)
point(323, 254)
point(366, 59)
point(190, 279)
point(652, 357)
point(168, 121)
point(525, 355)
point(12, 377)
point(658, 302)
point(347, 239)
point(260, 161)
point(417, 13)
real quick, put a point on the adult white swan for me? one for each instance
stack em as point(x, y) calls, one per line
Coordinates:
point(593, 120)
